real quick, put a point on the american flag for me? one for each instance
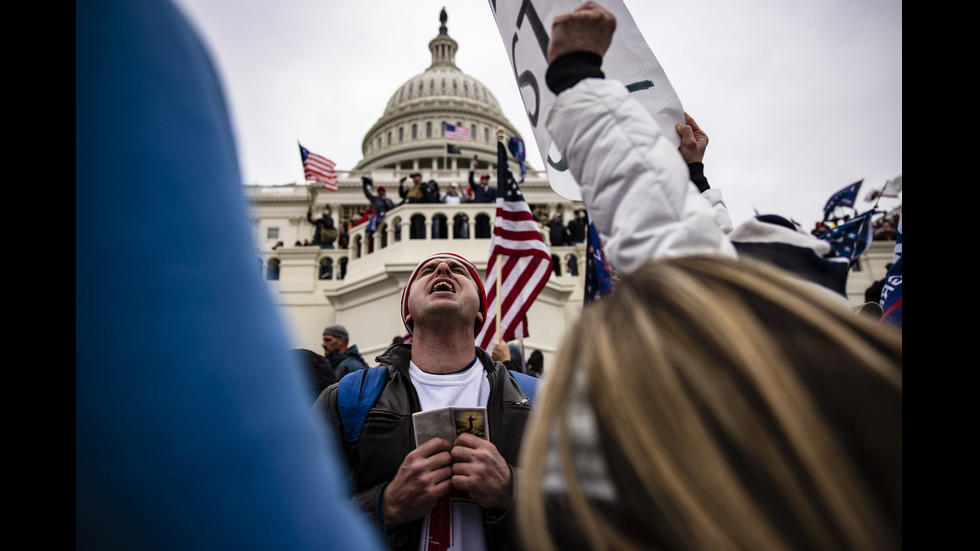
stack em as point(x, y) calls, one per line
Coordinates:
point(457, 133)
point(525, 263)
point(318, 168)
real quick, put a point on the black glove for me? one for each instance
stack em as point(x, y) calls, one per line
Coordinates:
point(367, 180)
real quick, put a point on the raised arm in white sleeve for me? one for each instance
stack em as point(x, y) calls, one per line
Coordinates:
point(634, 183)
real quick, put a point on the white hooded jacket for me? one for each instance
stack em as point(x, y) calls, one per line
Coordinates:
point(635, 184)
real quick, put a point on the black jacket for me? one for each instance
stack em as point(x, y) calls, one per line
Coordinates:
point(325, 222)
point(378, 203)
point(558, 232)
point(481, 194)
point(576, 230)
point(388, 436)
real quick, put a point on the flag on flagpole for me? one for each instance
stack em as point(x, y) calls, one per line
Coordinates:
point(850, 239)
point(457, 133)
point(524, 260)
point(843, 198)
point(891, 189)
point(891, 293)
point(516, 146)
point(452, 149)
point(318, 168)
point(598, 280)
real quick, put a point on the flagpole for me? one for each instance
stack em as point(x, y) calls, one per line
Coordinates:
point(500, 137)
point(863, 231)
point(499, 275)
point(523, 362)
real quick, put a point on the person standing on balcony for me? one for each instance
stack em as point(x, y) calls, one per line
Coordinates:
point(380, 204)
point(577, 227)
point(557, 230)
point(414, 193)
point(324, 230)
point(452, 195)
point(482, 192)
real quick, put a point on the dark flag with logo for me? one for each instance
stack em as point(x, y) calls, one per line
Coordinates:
point(516, 146)
point(843, 198)
point(598, 279)
point(891, 293)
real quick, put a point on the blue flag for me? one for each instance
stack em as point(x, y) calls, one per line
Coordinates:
point(891, 293)
point(598, 280)
point(850, 239)
point(516, 146)
point(843, 198)
point(374, 221)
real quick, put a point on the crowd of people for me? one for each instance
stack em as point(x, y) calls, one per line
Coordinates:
point(428, 191)
point(884, 227)
point(558, 231)
point(716, 398)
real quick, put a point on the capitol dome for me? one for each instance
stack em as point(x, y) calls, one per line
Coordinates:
point(411, 128)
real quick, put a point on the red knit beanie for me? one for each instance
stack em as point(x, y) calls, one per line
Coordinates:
point(474, 273)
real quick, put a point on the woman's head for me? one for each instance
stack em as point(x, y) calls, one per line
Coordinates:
point(708, 403)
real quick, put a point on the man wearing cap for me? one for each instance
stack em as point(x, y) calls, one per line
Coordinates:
point(342, 358)
point(414, 193)
point(482, 192)
point(380, 204)
point(440, 492)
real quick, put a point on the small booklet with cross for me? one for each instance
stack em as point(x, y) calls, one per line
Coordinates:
point(448, 423)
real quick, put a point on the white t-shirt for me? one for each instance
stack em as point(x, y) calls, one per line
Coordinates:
point(456, 521)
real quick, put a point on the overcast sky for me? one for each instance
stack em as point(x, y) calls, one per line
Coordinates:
point(799, 99)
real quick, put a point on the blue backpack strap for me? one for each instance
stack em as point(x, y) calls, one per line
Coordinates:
point(528, 384)
point(356, 393)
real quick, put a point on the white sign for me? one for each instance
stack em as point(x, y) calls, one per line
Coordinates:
point(525, 27)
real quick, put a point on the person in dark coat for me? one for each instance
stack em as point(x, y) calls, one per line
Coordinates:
point(318, 368)
point(577, 227)
point(324, 230)
point(557, 231)
point(482, 192)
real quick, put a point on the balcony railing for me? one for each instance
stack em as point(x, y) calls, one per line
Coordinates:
point(468, 227)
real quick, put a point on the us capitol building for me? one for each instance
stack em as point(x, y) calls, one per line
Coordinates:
point(360, 286)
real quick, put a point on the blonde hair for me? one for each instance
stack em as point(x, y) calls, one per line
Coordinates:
point(736, 408)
